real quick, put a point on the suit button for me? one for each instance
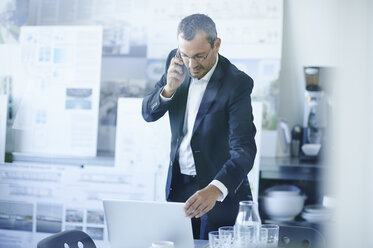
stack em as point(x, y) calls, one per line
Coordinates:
point(170, 189)
point(154, 105)
point(171, 163)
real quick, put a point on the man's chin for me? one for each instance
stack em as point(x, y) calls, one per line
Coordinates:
point(195, 74)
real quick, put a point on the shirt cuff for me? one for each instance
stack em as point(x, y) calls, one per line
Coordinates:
point(165, 99)
point(222, 188)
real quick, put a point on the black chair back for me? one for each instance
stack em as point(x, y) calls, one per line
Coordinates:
point(300, 237)
point(67, 239)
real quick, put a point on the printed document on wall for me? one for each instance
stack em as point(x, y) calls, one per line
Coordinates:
point(38, 200)
point(58, 113)
point(142, 146)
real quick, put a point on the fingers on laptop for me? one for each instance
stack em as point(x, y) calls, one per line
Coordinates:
point(197, 205)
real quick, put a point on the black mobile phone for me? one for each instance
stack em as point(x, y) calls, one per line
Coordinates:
point(178, 55)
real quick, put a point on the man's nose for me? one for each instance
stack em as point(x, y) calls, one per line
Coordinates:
point(192, 62)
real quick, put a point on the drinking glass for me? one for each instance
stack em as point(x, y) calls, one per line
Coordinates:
point(269, 234)
point(244, 236)
point(226, 236)
point(214, 240)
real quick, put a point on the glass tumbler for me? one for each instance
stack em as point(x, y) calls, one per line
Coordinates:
point(269, 235)
point(214, 240)
point(226, 236)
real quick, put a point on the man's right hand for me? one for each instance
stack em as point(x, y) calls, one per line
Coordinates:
point(175, 75)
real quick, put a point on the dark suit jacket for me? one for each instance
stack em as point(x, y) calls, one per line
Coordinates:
point(223, 135)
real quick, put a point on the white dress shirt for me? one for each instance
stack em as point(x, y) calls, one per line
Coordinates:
point(197, 89)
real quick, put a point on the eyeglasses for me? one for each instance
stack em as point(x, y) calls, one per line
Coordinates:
point(197, 58)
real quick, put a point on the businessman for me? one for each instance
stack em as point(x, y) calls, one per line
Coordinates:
point(212, 145)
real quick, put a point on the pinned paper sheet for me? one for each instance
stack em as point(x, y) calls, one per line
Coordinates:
point(140, 145)
point(58, 112)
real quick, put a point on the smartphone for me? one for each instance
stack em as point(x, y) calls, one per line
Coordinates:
point(178, 55)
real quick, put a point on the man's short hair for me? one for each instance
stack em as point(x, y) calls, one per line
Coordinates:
point(189, 26)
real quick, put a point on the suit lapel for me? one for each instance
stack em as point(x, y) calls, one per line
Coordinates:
point(209, 96)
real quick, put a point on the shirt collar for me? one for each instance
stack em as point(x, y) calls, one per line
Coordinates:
point(207, 77)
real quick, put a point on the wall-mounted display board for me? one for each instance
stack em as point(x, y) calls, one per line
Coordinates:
point(140, 145)
point(38, 200)
point(58, 112)
point(138, 35)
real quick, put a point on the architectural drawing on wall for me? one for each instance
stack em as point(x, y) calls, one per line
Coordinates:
point(141, 145)
point(58, 112)
point(251, 33)
point(13, 15)
point(37, 200)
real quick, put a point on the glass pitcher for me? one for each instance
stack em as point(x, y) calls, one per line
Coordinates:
point(247, 226)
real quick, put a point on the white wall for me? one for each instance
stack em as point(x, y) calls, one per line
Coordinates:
point(309, 39)
point(351, 161)
point(337, 33)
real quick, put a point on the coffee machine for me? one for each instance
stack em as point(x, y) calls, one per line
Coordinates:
point(314, 119)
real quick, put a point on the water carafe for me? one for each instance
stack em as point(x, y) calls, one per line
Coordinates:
point(247, 226)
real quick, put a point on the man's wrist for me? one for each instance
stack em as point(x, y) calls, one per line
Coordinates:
point(221, 187)
point(167, 92)
point(216, 191)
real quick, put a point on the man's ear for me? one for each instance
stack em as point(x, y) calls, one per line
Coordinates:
point(217, 44)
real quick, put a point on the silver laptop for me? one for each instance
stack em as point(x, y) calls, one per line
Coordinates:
point(133, 224)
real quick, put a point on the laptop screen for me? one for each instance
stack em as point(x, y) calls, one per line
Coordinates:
point(135, 224)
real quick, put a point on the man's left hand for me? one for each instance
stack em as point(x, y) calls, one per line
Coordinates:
point(202, 201)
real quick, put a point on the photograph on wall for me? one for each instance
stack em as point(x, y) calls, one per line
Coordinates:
point(96, 233)
point(16, 216)
point(71, 227)
point(74, 215)
point(48, 218)
point(78, 98)
point(95, 217)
